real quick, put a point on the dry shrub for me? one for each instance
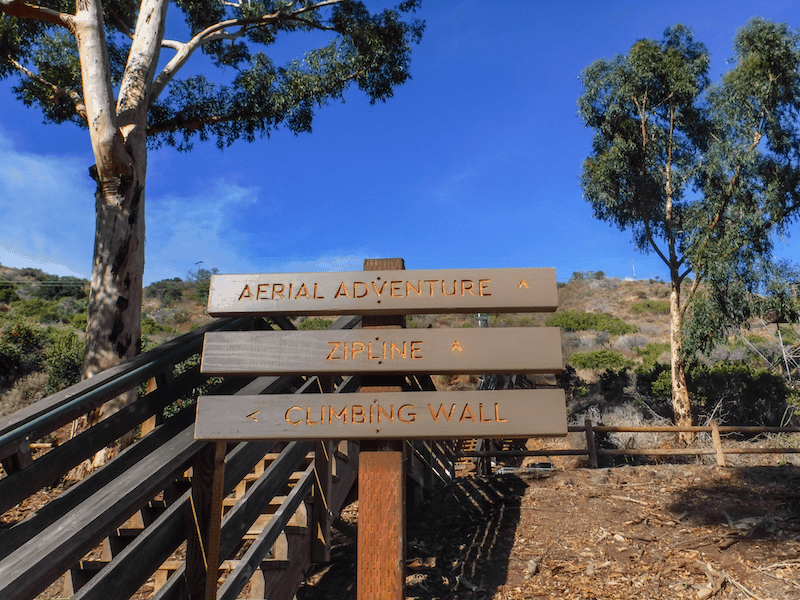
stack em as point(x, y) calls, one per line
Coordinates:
point(25, 391)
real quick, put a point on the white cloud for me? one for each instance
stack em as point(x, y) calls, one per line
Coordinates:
point(47, 211)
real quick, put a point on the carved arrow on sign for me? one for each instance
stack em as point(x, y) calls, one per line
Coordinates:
point(252, 416)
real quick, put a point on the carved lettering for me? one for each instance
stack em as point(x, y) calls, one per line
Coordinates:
point(389, 415)
point(357, 414)
point(467, 411)
point(417, 290)
point(417, 348)
point(316, 293)
point(483, 285)
point(335, 348)
point(394, 347)
point(355, 289)
point(444, 291)
point(377, 291)
point(303, 291)
point(342, 291)
point(456, 347)
point(277, 290)
point(340, 415)
point(262, 287)
point(411, 414)
point(466, 286)
point(288, 420)
point(440, 412)
point(246, 293)
point(523, 284)
point(480, 413)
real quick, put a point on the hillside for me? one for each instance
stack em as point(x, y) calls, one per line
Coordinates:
point(614, 341)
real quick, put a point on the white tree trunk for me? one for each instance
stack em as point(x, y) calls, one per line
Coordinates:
point(681, 405)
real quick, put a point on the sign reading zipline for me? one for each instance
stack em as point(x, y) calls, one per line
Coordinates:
point(505, 350)
point(384, 292)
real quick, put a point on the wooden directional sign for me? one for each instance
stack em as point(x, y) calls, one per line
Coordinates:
point(384, 292)
point(435, 351)
point(392, 415)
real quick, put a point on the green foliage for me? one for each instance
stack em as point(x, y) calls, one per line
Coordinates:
point(730, 151)
point(8, 292)
point(650, 354)
point(152, 327)
point(734, 392)
point(166, 290)
point(599, 360)
point(202, 282)
point(657, 307)
point(746, 395)
point(569, 381)
point(574, 320)
point(53, 287)
point(314, 323)
point(21, 349)
point(43, 311)
point(64, 359)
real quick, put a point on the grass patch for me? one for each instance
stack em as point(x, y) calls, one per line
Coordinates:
point(575, 320)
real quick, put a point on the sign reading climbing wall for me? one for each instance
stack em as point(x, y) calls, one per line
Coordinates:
point(394, 415)
point(387, 292)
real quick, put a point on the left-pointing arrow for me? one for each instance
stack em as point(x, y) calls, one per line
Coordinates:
point(252, 416)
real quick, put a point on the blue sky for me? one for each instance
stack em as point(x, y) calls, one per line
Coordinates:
point(474, 162)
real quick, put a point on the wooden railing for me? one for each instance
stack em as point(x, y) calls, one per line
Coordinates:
point(592, 451)
point(142, 519)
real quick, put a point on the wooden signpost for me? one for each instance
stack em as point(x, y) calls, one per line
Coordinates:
point(380, 351)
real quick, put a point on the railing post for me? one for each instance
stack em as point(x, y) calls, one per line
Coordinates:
point(590, 445)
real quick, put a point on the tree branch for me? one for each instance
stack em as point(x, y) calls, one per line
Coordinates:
point(58, 92)
point(25, 10)
point(220, 31)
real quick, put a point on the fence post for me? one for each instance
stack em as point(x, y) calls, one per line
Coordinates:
point(592, 449)
point(717, 443)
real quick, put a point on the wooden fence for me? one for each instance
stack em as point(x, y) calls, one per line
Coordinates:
point(592, 451)
point(142, 520)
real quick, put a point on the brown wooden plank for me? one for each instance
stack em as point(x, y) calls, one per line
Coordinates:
point(392, 291)
point(395, 351)
point(390, 415)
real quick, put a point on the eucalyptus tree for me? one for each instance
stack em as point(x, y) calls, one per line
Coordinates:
point(701, 174)
point(112, 67)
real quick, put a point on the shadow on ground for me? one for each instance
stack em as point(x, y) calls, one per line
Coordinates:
point(458, 544)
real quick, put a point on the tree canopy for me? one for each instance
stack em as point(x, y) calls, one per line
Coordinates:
point(119, 68)
point(701, 174)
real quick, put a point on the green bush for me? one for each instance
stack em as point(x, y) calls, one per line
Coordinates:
point(656, 307)
point(21, 349)
point(575, 320)
point(166, 290)
point(736, 393)
point(600, 360)
point(64, 359)
point(8, 292)
point(650, 353)
point(53, 287)
point(746, 395)
point(43, 311)
point(151, 327)
point(314, 323)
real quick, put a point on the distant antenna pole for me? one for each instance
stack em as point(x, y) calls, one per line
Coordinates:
point(634, 269)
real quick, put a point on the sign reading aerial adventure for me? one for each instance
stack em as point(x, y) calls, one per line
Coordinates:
point(506, 350)
point(384, 292)
point(393, 415)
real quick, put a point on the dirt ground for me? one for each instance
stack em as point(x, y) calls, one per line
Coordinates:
point(657, 531)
